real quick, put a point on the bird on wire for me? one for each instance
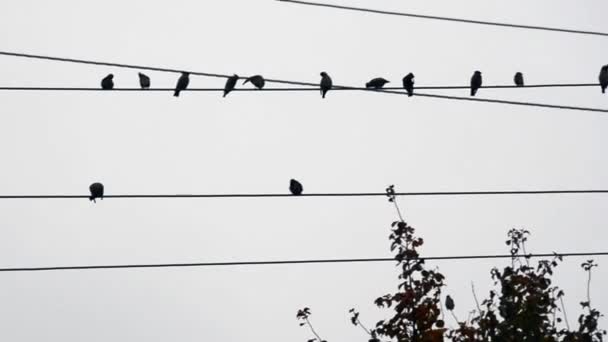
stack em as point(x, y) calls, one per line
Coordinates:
point(295, 187)
point(376, 83)
point(604, 78)
point(107, 82)
point(96, 190)
point(182, 83)
point(258, 81)
point(144, 81)
point(230, 84)
point(476, 82)
point(326, 83)
point(519, 79)
point(408, 84)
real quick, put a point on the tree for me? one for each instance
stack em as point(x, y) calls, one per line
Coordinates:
point(524, 306)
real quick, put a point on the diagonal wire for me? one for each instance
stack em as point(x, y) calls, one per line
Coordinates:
point(432, 17)
point(445, 97)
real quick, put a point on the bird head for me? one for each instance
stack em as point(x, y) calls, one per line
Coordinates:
point(235, 76)
point(185, 74)
point(323, 74)
point(477, 72)
point(110, 76)
point(605, 67)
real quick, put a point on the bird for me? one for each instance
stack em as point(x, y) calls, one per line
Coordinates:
point(376, 83)
point(182, 83)
point(475, 82)
point(519, 79)
point(107, 83)
point(257, 81)
point(408, 84)
point(604, 78)
point(96, 190)
point(326, 83)
point(144, 81)
point(295, 187)
point(449, 303)
point(230, 84)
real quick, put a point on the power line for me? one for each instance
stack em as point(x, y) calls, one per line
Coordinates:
point(441, 87)
point(342, 194)
point(468, 21)
point(291, 262)
point(335, 87)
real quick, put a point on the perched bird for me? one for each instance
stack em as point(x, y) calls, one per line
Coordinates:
point(96, 191)
point(408, 84)
point(257, 81)
point(376, 83)
point(295, 187)
point(604, 78)
point(230, 84)
point(107, 83)
point(475, 82)
point(326, 83)
point(449, 303)
point(182, 83)
point(519, 79)
point(144, 81)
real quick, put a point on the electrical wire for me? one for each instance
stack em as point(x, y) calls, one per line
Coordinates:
point(335, 87)
point(291, 262)
point(342, 194)
point(432, 17)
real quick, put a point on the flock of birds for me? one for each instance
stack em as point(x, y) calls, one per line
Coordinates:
point(326, 83)
point(96, 190)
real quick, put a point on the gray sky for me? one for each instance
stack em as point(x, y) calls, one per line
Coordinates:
point(200, 143)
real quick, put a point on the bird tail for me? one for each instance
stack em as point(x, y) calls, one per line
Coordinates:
point(367, 85)
point(323, 92)
point(225, 93)
point(176, 93)
point(604, 90)
point(247, 80)
point(92, 199)
point(473, 91)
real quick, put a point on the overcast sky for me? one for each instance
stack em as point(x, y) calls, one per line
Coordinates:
point(60, 142)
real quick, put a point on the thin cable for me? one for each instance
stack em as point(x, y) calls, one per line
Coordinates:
point(338, 194)
point(552, 85)
point(468, 21)
point(290, 262)
point(335, 87)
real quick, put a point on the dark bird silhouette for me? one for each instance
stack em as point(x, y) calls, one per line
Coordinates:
point(376, 83)
point(96, 190)
point(258, 81)
point(449, 303)
point(107, 83)
point(604, 78)
point(408, 84)
point(144, 81)
point(519, 79)
point(230, 84)
point(475, 82)
point(326, 83)
point(295, 187)
point(182, 83)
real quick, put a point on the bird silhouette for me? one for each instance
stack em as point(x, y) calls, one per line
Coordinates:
point(144, 81)
point(449, 303)
point(376, 83)
point(604, 78)
point(96, 190)
point(230, 84)
point(182, 83)
point(408, 84)
point(107, 83)
point(476, 82)
point(326, 83)
point(295, 187)
point(257, 81)
point(519, 79)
